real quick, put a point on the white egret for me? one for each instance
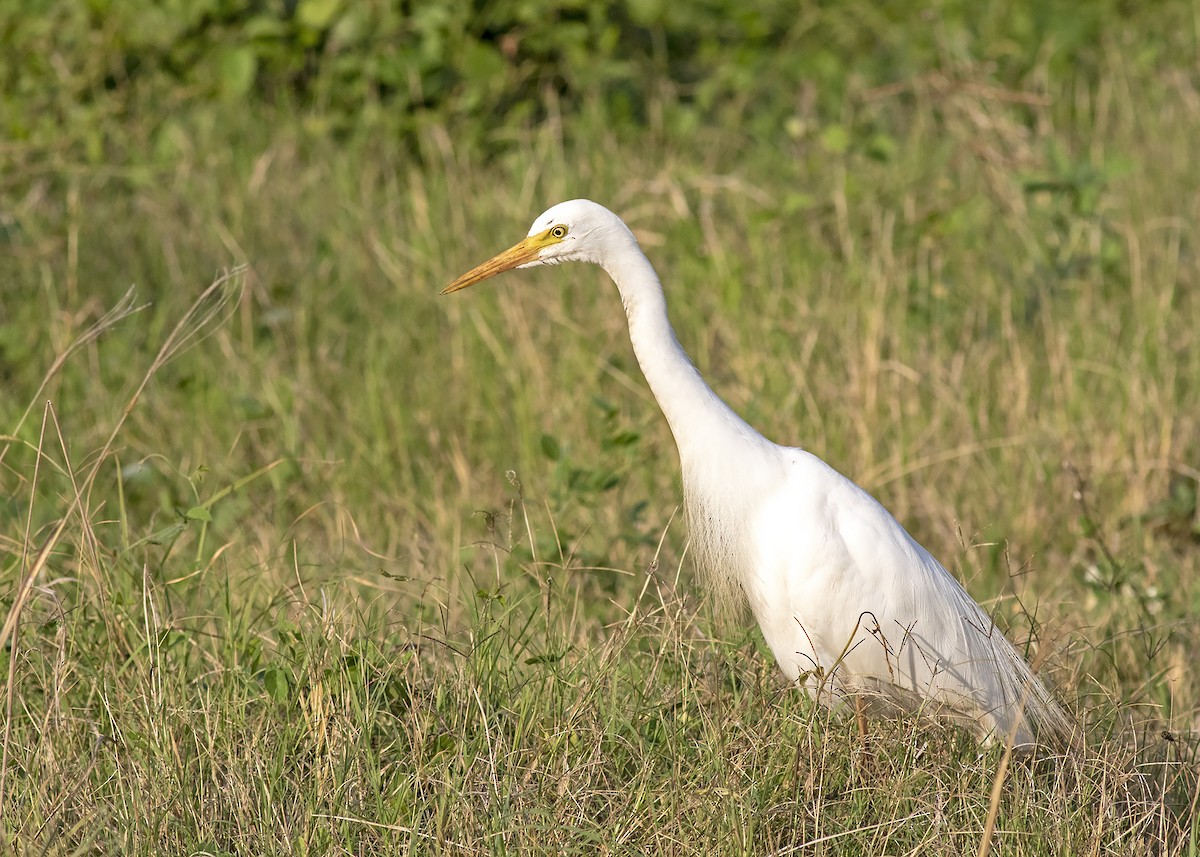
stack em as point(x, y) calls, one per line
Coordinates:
point(850, 604)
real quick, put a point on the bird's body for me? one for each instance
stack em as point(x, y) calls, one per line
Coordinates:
point(848, 601)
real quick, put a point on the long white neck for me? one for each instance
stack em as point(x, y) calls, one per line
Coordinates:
point(699, 419)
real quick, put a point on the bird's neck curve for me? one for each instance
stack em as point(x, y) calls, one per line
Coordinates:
point(698, 418)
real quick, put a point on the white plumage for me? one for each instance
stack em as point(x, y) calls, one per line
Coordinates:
point(849, 603)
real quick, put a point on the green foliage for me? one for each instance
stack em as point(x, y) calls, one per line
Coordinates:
point(72, 73)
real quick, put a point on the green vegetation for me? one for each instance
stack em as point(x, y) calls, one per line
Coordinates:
point(315, 561)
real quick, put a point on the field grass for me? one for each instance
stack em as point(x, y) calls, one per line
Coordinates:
point(319, 562)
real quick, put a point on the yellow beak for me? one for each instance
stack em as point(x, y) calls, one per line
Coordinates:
point(525, 251)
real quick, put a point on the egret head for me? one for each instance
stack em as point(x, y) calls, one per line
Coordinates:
point(574, 231)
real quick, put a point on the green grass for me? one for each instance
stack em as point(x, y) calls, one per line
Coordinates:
point(366, 570)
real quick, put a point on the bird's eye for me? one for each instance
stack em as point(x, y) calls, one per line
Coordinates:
point(559, 231)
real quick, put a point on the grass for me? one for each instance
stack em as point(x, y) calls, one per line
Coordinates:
point(357, 569)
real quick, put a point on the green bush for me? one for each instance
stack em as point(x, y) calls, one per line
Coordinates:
point(75, 75)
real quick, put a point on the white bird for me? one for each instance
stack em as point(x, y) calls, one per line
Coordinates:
point(850, 604)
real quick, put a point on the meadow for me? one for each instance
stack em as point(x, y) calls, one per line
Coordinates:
point(298, 557)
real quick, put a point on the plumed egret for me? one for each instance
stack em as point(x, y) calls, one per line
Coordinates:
point(850, 604)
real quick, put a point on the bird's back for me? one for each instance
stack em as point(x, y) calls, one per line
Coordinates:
point(850, 603)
